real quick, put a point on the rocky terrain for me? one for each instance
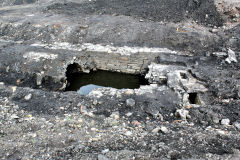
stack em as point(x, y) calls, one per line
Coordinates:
point(188, 51)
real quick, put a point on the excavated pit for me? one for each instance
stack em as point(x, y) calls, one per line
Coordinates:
point(188, 50)
point(84, 83)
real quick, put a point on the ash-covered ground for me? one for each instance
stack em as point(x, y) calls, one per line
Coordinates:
point(188, 50)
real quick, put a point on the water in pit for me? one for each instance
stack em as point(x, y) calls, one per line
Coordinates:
point(84, 83)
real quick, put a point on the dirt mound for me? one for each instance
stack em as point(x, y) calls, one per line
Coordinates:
point(203, 11)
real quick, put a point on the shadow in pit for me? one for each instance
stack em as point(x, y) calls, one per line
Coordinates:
point(83, 83)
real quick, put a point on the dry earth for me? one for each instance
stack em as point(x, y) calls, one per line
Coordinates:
point(188, 50)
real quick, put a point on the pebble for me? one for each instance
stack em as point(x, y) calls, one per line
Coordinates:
point(128, 114)
point(225, 121)
point(130, 102)
point(102, 157)
point(164, 129)
point(115, 115)
point(215, 120)
point(128, 133)
point(129, 92)
point(28, 97)
point(237, 125)
point(221, 132)
point(1, 84)
point(182, 113)
point(156, 130)
point(14, 116)
point(214, 30)
point(105, 151)
point(14, 88)
point(95, 102)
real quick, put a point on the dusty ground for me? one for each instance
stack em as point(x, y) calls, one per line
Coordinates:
point(188, 50)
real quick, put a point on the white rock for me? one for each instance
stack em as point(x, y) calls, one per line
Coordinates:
point(237, 125)
point(28, 97)
point(105, 151)
point(231, 56)
point(128, 133)
point(225, 121)
point(164, 129)
point(182, 113)
point(156, 130)
point(14, 116)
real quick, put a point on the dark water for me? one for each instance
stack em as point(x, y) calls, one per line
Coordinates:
point(86, 82)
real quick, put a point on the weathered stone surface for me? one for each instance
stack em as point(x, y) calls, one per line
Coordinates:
point(181, 46)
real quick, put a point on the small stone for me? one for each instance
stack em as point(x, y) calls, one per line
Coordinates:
point(225, 121)
point(215, 120)
point(182, 113)
point(164, 129)
point(102, 157)
point(18, 81)
point(1, 84)
point(115, 115)
point(214, 30)
point(28, 97)
point(156, 130)
point(128, 133)
point(237, 125)
point(129, 92)
point(128, 114)
point(136, 123)
point(105, 151)
point(221, 132)
point(7, 69)
point(130, 102)
point(14, 88)
point(95, 102)
point(231, 56)
point(14, 116)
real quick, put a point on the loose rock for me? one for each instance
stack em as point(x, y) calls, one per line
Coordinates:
point(182, 113)
point(237, 125)
point(225, 121)
point(28, 97)
point(164, 129)
point(130, 102)
point(102, 157)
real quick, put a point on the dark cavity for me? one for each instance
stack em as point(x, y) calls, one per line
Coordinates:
point(194, 99)
point(83, 83)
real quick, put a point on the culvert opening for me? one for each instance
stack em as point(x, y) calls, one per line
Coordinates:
point(84, 83)
point(194, 98)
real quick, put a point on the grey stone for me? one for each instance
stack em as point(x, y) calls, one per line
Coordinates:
point(225, 121)
point(231, 56)
point(182, 113)
point(164, 129)
point(14, 116)
point(156, 130)
point(105, 151)
point(128, 133)
point(102, 157)
point(28, 97)
point(215, 119)
point(130, 102)
point(237, 125)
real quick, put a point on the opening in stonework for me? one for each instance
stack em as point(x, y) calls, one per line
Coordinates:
point(84, 83)
point(194, 99)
